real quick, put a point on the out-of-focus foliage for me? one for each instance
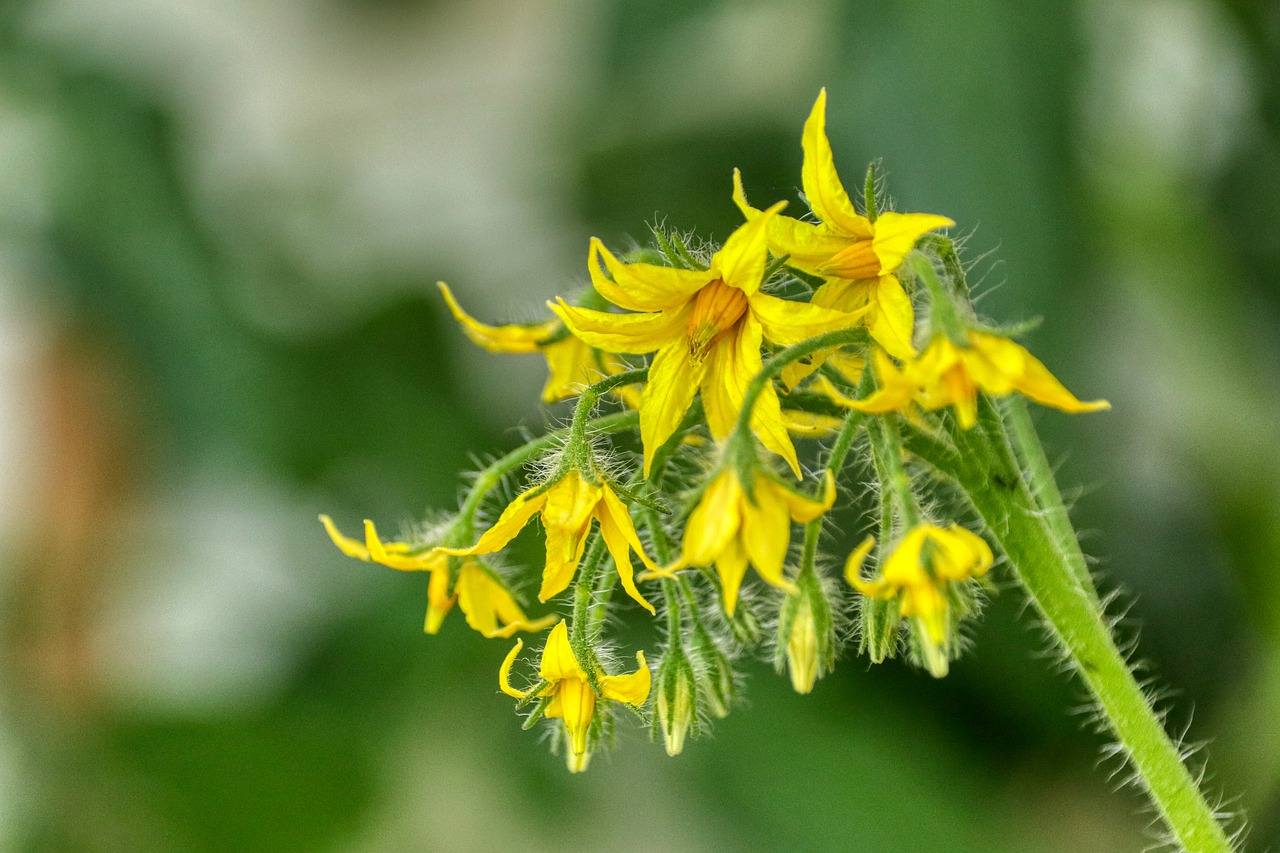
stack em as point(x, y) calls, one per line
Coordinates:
point(221, 221)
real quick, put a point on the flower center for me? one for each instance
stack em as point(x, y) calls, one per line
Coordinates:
point(856, 261)
point(716, 308)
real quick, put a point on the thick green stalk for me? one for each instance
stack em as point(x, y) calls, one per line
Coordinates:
point(986, 470)
point(1026, 443)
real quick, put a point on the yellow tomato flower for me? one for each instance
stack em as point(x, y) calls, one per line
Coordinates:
point(918, 572)
point(568, 507)
point(572, 698)
point(487, 605)
point(945, 374)
point(857, 257)
point(731, 529)
point(571, 363)
point(707, 327)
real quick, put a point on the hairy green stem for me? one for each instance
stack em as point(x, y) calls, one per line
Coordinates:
point(987, 471)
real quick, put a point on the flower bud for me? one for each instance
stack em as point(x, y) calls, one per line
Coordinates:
point(677, 698)
point(806, 633)
point(718, 680)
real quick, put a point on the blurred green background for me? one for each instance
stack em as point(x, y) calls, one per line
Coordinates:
point(220, 221)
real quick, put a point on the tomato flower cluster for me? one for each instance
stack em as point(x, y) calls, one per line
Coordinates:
point(734, 410)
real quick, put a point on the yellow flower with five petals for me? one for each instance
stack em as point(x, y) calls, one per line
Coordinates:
point(947, 374)
point(731, 528)
point(567, 508)
point(485, 602)
point(857, 257)
point(571, 363)
point(571, 696)
point(707, 327)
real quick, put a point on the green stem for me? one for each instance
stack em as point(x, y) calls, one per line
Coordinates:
point(1005, 502)
point(774, 367)
point(886, 454)
point(1026, 443)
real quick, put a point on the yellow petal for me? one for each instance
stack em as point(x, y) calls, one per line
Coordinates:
point(347, 545)
point(896, 235)
point(489, 607)
point(803, 508)
point(642, 287)
point(673, 382)
point(510, 339)
point(632, 688)
point(620, 550)
point(731, 566)
point(394, 554)
point(439, 602)
point(741, 260)
point(715, 521)
point(504, 673)
point(622, 518)
point(558, 660)
point(630, 333)
point(511, 522)
point(822, 186)
point(787, 322)
point(1028, 374)
point(890, 316)
point(960, 554)
point(766, 532)
point(737, 367)
point(853, 565)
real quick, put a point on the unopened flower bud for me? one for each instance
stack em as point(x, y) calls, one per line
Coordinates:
point(677, 699)
point(806, 633)
point(718, 681)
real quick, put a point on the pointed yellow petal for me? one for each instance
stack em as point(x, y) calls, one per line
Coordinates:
point(740, 197)
point(715, 521)
point(853, 565)
point(347, 545)
point(786, 322)
point(619, 549)
point(1027, 374)
point(511, 522)
point(822, 186)
point(803, 508)
point(511, 339)
point(632, 689)
point(731, 566)
point(736, 361)
point(766, 532)
point(489, 607)
point(642, 287)
point(631, 333)
point(622, 517)
point(897, 233)
point(439, 602)
point(891, 318)
point(394, 554)
point(673, 382)
point(558, 661)
point(504, 673)
point(741, 260)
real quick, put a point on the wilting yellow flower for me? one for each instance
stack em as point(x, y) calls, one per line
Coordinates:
point(568, 507)
point(707, 327)
point(571, 697)
point(572, 364)
point(487, 605)
point(917, 573)
point(732, 529)
point(945, 374)
point(857, 257)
